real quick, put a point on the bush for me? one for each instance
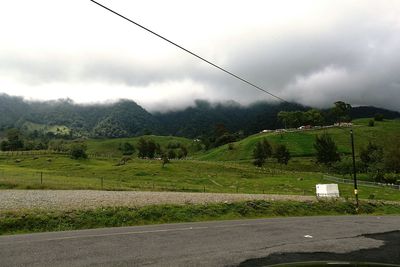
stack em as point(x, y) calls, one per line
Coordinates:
point(78, 151)
point(378, 117)
point(231, 146)
point(261, 152)
point(171, 154)
point(327, 152)
point(282, 154)
point(371, 123)
point(392, 178)
point(126, 148)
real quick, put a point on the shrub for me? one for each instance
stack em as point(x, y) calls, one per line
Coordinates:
point(261, 152)
point(282, 154)
point(231, 146)
point(78, 151)
point(326, 149)
point(126, 148)
point(378, 117)
point(371, 123)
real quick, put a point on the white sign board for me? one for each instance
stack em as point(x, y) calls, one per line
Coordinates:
point(327, 190)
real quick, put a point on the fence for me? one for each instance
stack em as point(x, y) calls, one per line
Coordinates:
point(52, 152)
point(21, 179)
point(360, 182)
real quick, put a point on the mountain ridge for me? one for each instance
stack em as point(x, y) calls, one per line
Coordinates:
point(126, 118)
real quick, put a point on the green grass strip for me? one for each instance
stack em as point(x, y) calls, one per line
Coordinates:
point(41, 221)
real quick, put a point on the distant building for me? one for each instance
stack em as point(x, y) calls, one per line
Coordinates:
point(266, 131)
point(343, 124)
point(304, 127)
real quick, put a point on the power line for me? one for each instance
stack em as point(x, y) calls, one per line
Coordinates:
point(190, 52)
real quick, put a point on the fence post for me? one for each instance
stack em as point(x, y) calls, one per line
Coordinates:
point(204, 188)
point(41, 177)
point(102, 183)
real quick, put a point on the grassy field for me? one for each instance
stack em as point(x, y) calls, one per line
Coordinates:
point(40, 221)
point(61, 172)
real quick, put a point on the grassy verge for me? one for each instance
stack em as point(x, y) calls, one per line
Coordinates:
point(42, 221)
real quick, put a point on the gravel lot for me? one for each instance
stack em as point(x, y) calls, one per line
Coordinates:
point(87, 199)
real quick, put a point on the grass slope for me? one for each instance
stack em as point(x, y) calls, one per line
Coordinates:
point(300, 143)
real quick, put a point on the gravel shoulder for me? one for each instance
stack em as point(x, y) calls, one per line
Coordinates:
point(89, 199)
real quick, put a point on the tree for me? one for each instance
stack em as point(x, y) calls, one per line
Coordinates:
point(14, 139)
point(5, 145)
point(78, 151)
point(371, 123)
point(184, 151)
point(147, 148)
point(292, 119)
point(313, 117)
point(392, 155)
point(126, 148)
point(371, 154)
point(326, 149)
point(151, 148)
point(282, 154)
point(261, 152)
point(171, 154)
point(372, 158)
point(378, 117)
point(164, 159)
point(142, 148)
point(341, 110)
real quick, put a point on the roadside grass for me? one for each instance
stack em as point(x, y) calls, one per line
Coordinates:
point(180, 175)
point(43, 221)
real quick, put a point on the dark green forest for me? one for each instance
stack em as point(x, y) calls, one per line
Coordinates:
point(125, 118)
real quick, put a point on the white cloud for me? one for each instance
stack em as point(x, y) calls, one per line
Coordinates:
point(314, 52)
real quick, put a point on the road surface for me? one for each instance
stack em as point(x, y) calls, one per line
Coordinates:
point(222, 243)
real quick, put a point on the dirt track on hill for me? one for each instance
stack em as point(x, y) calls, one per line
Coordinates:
point(88, 199)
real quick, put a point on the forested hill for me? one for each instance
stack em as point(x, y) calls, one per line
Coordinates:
point(204, 117)
point(126, 118)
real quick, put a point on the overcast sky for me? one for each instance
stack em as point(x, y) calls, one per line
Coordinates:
point(311, 52)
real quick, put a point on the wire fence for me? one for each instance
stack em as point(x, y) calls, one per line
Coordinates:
point(23, 179)
point(52, 152)
point(360, 182)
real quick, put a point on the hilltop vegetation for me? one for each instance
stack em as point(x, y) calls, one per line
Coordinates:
point(125, 118)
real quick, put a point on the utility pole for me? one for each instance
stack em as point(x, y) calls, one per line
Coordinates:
point(354, 169)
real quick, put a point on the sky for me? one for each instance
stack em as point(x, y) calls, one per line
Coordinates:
point(310, 52)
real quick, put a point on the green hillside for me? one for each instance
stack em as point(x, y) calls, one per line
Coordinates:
point(300, 143)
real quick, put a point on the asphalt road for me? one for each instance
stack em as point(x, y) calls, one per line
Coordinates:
point(223, 243)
